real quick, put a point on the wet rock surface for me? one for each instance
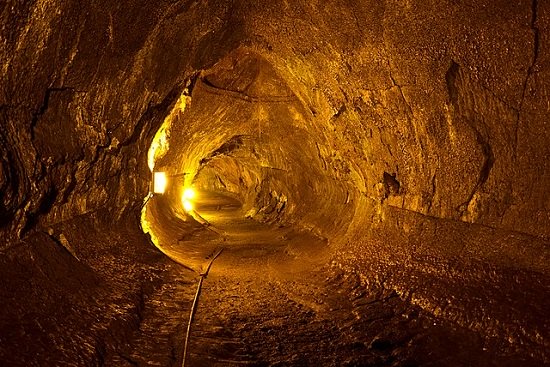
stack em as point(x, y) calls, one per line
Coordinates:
point(316, 323)
point(388, 147)
point(331, 320)
point(263, 303)
point(269, 300)
point(63, 308)
point(159, 338)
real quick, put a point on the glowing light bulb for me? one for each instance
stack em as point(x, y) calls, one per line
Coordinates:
point(189, 194)
point(187, 205)
point(159, 182)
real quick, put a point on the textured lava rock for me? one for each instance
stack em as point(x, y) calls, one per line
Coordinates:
point(359, 121)
point(448, 104)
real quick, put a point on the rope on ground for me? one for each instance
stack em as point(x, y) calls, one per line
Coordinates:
point(203, 275)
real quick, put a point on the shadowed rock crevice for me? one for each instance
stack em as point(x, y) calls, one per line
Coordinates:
point(532, 66)
point(536, 37)
point(450, 79)
point(455, 80)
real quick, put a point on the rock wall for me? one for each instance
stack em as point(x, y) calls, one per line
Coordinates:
point(399, 116)
point(437, 108)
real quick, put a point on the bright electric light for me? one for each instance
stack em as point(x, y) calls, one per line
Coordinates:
point(187, 205)
point(187, 199)
point(189, 194)
point(159, 182)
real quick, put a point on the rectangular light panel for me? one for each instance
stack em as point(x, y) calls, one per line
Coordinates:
point(159, 182)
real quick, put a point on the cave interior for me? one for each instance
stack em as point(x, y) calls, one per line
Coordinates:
point(275, 183)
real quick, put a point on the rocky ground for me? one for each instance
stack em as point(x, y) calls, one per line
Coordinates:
point(70, 305)
point(319, 319)
point(261, 305)
point(269, 301)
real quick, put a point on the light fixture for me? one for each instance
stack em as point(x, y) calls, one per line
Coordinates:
point(187, 205)
point(159, 182)
point(187, 199)
point(189, 194)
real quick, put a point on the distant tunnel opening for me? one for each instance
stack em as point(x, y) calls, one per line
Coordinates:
point(245, 140)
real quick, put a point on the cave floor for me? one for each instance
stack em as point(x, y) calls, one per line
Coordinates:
point(322, 320)
point(270, 299)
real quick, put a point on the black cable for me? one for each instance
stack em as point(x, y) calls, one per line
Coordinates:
point(194, 306)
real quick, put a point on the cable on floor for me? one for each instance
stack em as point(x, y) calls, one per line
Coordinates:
point(203, 275)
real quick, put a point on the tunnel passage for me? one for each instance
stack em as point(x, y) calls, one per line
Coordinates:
point(273, 191)
point(394, 152)
point(244, 135)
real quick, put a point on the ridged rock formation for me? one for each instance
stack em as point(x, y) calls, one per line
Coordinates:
point(409, 138)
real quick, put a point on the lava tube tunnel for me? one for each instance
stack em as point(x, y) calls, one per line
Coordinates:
point(274, 183)
point(244, 174)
